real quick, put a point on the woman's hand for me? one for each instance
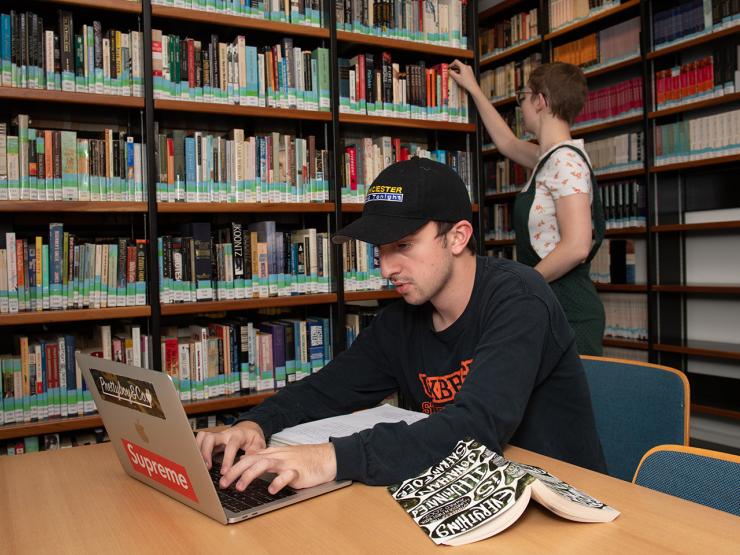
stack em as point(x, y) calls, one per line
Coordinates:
point(463, 75)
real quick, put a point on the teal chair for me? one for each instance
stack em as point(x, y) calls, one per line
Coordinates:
point(699, 475)
point(637, 406)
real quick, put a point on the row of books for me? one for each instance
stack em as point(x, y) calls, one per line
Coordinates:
point(209, 360)
point(698, 138)
point(618, 42)
point(297, 12)
point(688, 18)
point(708, 77)
point(46, 164)
point(499, 221)
point(356, 321)
point(439, 22)
point(563, 12)
point(366, 157)
point(198, 166)
point(362, 267)
point(69, 272)
point(503, 81)
point(622, 261)
point(373, 84)
point(278, 76)
point(242, 262)
point(626, 315)
point(58, 59)
point(617, 153)
point(612, 102)
point(504, 176)
point(517, 29)
point(624, 204)
point(49, 442)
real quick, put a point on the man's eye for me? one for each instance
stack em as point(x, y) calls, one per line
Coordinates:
point(403, 246)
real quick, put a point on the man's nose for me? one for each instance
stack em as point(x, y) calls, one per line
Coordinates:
point(388, 267)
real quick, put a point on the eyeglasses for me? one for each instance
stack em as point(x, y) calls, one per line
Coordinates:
point(521, 94)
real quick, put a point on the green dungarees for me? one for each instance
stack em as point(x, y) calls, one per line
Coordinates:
point(574, 290)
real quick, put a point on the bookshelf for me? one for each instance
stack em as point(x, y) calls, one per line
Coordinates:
point(153, 115)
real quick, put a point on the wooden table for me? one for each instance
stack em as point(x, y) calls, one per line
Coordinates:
point(80, 501)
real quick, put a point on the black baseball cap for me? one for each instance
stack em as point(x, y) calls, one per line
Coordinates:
point(404, 197)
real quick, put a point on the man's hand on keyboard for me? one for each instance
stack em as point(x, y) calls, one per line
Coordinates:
point(245, 435)
point(298, 466)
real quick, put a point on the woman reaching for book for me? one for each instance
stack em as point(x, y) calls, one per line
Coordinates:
point(558, 220)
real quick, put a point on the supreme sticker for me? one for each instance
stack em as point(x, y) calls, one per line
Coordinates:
point(161, 470)
point(127, 392)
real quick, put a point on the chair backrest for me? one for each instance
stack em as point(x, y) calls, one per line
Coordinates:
point(637, 406)
point(699, 475)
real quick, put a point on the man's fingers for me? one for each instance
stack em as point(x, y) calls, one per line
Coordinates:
point(281, 480)
point(205, 444)
point(232, 446)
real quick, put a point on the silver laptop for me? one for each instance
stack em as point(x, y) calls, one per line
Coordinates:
point(147, 425)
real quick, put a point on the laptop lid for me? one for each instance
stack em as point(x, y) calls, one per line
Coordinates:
point(150, 433)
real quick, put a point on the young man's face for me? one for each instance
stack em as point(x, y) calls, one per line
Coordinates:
point(419, 265)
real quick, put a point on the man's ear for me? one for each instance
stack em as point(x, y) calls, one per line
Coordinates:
point(459, 236)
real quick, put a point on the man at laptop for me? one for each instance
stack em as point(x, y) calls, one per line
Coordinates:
point(480, 344)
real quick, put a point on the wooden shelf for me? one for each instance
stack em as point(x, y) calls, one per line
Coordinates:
point(244, 207)
point(354, 207)
point(625, 231)
point(620, 175)
point(11, 431)
point(239, 111)
point(499, 242)
point(715, 411)
point(112, 5)
point(501, 196)
point(70, 206)
point(718, 101)
point(589, 20)
point(607, 125)
point(625, 343)
point(399, 44)
point(62, 97)
point(175, 309)
point(709, 37)
point(719, 160)
point(238, 21)
point(361, 119)
point(612, 67)
point(699, 289)
point(710, 349)
point(78, 315)
point(510, 52)
point(498, 8)
point(504, 102)
point(621, 288)
point(709, 226)
point(371, 295)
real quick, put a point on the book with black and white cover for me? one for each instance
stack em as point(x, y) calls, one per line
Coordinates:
point(474, 493)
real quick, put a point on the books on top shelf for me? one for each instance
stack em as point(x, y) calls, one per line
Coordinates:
point(277, 76)
point(619, 153)
point(509, 33)
point(603, 48)
point(565, 12)
point(689, 19)
point(211, 359)
point(698, 138)
point(197, 166)
point(297, 12)
point(45, 55)
point(503, 81)
point(68, 272)
point(241, 261)
point(611, 103)
point(372, 84)
point(474, 493)
point(48, 164)
point(366, 157)
point(438, 22)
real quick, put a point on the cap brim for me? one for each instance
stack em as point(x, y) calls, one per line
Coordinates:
point(378, 230)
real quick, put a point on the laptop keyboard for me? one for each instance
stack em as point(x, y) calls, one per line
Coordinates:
point(255, 495)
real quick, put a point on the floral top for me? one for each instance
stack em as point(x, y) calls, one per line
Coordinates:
point(565, 173)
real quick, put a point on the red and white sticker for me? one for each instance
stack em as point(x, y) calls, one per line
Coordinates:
point(166, 472)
